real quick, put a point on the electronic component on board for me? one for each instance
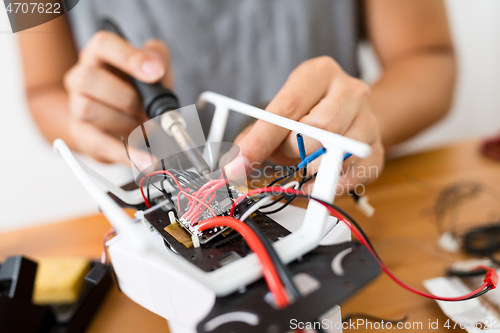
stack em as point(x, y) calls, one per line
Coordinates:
point(180, 234)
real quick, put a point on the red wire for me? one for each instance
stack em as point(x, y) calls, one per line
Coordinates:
point(401, 283)
point(160, 172)
point(179, 201)
point(268, 269)
point(196, 211)
point(201, 202)
point(205, 186)
point(491, 276)
point(194, 219)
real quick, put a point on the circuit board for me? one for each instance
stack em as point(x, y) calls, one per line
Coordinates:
point(223, 248)
point(221, 206)
point(219, 248)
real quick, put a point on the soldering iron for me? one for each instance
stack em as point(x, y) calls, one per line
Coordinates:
point(159, 101)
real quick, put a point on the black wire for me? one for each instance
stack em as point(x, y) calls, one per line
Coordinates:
point(482, 241)
point(289, 175)
point(169, 195)
point(282, 269)
point(311, 177)
point(179, 174)
point(135, 166)
point(289, 200)
point(451, 198)
point(188, 178)
point(195, 177)
point(337, 208)
point(481, 293)
point(165, 193)
point(180, 178)
point(479, 241)
point(281, 197)
point(185, 178)
point(373, 318)
point(169, 198)
point(461, 273)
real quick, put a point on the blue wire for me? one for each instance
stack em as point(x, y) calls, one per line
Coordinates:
point(302, 148)
point(311, 157)
point(315, 155)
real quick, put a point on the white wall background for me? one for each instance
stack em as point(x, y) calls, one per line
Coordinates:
point(37, 186)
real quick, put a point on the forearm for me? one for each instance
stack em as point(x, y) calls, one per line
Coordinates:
point(47, 53)
point(49, 107)
point(413, 93)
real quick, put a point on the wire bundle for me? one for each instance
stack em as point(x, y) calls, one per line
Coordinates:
point(198, 200)
point(199, 193)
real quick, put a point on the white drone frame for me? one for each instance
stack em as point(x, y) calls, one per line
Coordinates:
point(244, 271)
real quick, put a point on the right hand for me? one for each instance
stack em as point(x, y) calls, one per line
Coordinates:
point(104, 106)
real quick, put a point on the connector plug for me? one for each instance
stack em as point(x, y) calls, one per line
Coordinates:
point(491, 277)
point(364, 206)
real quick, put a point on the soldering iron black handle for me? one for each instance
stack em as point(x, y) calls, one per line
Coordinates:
point(156, 98)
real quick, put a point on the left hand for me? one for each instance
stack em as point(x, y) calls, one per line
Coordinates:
point(318, 93)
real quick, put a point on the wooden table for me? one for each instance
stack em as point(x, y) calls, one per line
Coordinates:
point(403, 230)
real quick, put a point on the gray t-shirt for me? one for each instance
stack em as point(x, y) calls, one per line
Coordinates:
point(244, 49)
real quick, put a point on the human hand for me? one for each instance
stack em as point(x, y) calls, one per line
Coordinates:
point(103, 103)
point(318, 93)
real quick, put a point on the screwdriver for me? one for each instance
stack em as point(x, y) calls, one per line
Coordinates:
point(159, 101)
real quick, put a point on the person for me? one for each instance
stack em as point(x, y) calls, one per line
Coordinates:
point(300, 56)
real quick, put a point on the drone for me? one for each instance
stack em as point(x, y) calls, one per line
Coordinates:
point(205, 256)
point(202, 251)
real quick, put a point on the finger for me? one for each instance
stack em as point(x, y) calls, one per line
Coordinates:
point(363, 171)
point(106, 48)
point(103, 147)
point(356, 171)
point(334, 113)
point(243, 133)
point(160, 50)
point(103, 86)
point(102, 116)
point(364, 127)
point(304, 88)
